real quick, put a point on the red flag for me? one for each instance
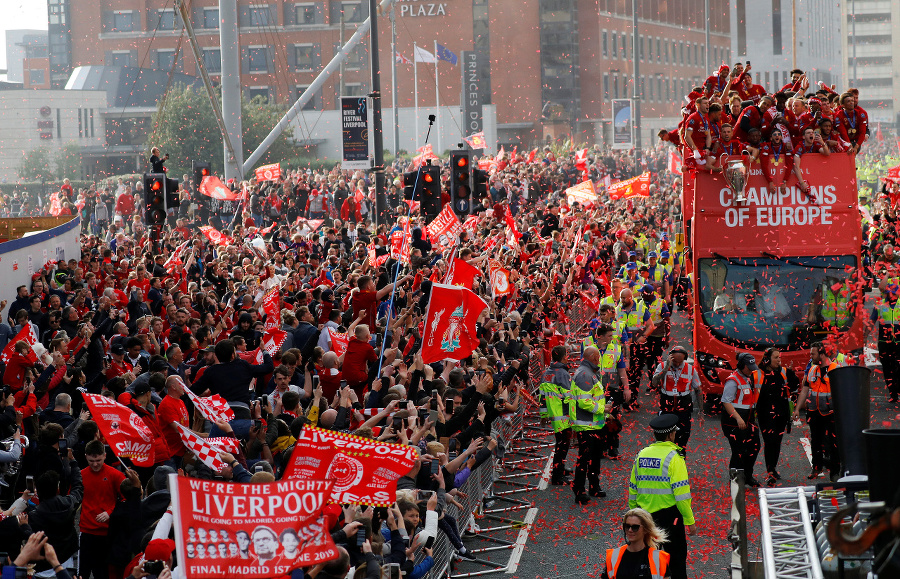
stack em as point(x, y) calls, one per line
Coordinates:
point(266, 513)
point(273, 339)
point(339, 342)
point(55, 205)
point(214, 408)
point(531, 156)
point(674, 162)
point(581, 160)
point(205, 452)
point(461, 273)
point(636, 186)
point(511, 224)
point(271, 302)
point(878, 135)
point(444, 230)
point(450, 323)
point(269, 172)
point(213, 187)
point(25, 334)
point(592, 302)
point(364, 471)
point(471, 223)
point(126, 433)
point(477, 141)
point(584, 193)
point(499, 277)
point(216, 236)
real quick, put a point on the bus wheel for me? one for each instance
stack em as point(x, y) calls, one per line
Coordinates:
point(712, 404)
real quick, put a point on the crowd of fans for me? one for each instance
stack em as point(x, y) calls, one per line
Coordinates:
point(142, 323)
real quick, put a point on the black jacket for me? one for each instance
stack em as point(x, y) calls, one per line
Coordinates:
point(56, 516)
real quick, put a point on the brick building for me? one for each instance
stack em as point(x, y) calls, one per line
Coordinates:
point(553, 65)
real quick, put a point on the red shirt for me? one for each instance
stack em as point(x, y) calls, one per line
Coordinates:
point(101, 492)
point(143, 284)
point(115, 369)
point(366, 300)
point(802, 149)
point(698, 124)
point(329, 382)
point(732, 147)
point(173, 410)
point(356, 360)
point(852, 126)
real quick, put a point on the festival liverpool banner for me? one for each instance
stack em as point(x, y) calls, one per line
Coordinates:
point(444, 230)
point(213, 187)
point(584, 192)
point(225, 530)
point(269, 172)
point(364, 471)
point(450, 323)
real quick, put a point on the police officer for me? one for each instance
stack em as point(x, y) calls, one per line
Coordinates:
point(887, 314)
point(659, 484)
point(739, 395)
point(554, 389)
point(636, 319)
point(587, 412)
point(815, 396)
point(678, 382)
point(656, 341)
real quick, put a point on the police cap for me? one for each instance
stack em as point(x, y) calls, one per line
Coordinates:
point(664, 423)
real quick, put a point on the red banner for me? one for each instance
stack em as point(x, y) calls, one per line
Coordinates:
point(215, 236)
point(636, 186)
point(444, 230)
point(126, 433)
point(450, 323)
point(674, 162)
point(269, 172)
point(400, 244)
point(339, 342)
point(364, 471)
point(225, 530)
point(270, 304)
point(213, 187)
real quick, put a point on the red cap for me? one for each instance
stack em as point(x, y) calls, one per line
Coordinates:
point(159, 550)
point(723, 68)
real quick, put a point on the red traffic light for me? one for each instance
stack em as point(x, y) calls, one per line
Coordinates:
point(427, 177)
point(157, 185)
point(463, 162)
point(204, 171)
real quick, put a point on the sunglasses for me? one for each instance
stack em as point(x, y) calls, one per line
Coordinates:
point(632, 528)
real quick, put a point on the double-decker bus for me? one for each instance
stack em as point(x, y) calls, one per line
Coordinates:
point(773, 270)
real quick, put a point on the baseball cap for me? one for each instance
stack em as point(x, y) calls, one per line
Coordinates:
point(117, 349)
point(746, 360)
point(652, 254)
point(141, 389)
point(647, 288)
point(159, 366)
point(664, 254)
point(630, 265)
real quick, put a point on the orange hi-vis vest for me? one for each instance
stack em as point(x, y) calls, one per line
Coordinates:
point(680, 384)
point(748, 389)
point(659, 562)
point(819, 399)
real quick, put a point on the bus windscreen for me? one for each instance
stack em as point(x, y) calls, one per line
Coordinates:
point(784, 302)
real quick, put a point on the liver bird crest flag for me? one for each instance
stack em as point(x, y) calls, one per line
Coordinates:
point(450, 323)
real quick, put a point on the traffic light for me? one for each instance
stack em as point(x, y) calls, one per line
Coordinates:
point(479, 184)
point(430, 191)
point(172, 198)
point(155, 198)
point(409, 184)
point(201, 169)
point(460, 182)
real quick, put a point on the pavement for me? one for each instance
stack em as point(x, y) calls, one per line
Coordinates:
point(566, 539)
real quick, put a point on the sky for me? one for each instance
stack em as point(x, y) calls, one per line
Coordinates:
point(20, 14)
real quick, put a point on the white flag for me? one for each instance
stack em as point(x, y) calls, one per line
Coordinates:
point(423, 55)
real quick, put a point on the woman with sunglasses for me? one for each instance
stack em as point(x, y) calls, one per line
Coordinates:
point(640, 557)
point(773, 409)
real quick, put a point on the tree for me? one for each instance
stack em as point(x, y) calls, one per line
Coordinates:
point(36, 165)
point(186, 129)
point(68, 161)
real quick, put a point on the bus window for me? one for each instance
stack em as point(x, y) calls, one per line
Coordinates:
point(787, 303)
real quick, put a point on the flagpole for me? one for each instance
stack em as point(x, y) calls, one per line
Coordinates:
point(416, 89)
point(437, 100)
point(394, 107)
